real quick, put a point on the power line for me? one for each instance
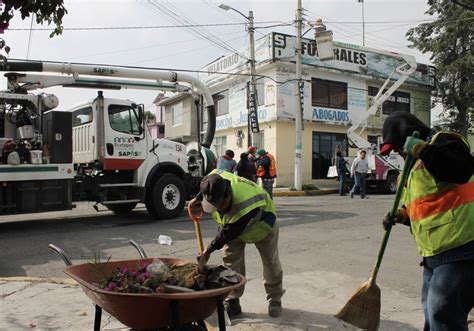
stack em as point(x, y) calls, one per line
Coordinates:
point(144, 27)
point(179, 53)
point(142, 48)
point(170, 14)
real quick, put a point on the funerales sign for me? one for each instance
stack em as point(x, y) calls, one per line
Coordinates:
point(348, 57)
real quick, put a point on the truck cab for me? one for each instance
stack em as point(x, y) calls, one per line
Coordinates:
point(119, 164)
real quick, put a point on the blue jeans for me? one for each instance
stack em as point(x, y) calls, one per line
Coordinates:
point(447, 296)
point(342, 182)
point(359, 183)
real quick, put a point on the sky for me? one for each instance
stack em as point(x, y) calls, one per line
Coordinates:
point(182, 48)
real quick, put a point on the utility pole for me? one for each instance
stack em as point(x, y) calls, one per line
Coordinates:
point(298, 107)
point(253, 82)
point(363, 22)
point(252, 119)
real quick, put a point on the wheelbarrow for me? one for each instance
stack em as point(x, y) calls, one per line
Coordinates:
point(147, 311)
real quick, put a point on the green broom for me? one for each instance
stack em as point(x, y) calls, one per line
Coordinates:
point(363, 308)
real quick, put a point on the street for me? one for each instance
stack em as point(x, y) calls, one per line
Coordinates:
point(327, 247)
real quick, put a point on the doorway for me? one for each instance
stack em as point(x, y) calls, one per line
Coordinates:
point(324, 151)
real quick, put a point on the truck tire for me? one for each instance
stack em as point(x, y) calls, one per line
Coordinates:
point(390, 185)
point(167, 197)
point(122, 208)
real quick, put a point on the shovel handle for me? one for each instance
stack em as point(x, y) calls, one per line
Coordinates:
point(196, 218)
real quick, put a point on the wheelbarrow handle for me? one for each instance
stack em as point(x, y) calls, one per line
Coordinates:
point(62, 254)
point(196, 218)
point(139, 248)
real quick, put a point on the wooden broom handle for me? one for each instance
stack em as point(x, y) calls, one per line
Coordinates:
point(401, 183)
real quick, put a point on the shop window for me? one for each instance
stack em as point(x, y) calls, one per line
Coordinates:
point(325, 145)
point(398, 101)
point(177, 114)
point(220, 145)
point(328, 93)
point(221, 102)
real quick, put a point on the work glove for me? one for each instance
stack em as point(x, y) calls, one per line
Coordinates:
point(414, 146)
point(400, 216)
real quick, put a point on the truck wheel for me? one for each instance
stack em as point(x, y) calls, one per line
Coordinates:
point(390, 185)
point(122, 208)
point(168, 197)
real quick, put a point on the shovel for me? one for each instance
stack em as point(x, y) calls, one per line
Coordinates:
point(196, 218)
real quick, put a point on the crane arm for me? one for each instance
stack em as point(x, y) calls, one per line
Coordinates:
point(404, 70)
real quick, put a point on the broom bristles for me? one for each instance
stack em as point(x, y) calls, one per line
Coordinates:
point(363, 308)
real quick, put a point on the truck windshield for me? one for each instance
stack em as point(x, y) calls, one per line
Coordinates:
point(124, 119)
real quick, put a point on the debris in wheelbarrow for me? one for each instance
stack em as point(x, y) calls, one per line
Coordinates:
point(150, 310)
point(159, 277)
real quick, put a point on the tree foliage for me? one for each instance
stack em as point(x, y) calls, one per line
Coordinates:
point(50, 12)
point(450, 39)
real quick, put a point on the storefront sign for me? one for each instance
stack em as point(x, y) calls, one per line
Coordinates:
point(348, 57)
point(330, 115)
point(253, 117)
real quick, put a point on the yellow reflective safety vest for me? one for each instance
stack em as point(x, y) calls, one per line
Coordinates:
point(441, 214)
point(246, 196)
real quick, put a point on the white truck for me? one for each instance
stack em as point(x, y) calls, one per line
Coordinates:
point(98, 151)
point(383, 170)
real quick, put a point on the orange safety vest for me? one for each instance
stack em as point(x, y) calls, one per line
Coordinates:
point(271, 169)
point(441, 213)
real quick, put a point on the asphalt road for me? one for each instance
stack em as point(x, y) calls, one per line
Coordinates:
point(323, 233)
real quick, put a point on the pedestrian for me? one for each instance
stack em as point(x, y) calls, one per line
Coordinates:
point(226, 162)
point(245, 168)
point(245, 214)
point(266, 170)
point(439, 208)
point(341, 172)
point(359, 169)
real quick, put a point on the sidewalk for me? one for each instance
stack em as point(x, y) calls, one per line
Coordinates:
point(311, 300)
point(324, 186)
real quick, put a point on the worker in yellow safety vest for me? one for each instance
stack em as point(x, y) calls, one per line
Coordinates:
point(245, 214)
point(439, 207)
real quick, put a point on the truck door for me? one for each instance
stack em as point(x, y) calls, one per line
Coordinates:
point(125, 137)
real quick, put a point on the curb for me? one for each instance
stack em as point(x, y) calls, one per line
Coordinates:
point(60, 281)
point(304, 193)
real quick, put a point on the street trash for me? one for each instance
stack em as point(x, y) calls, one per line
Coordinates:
point(157, 268)
point(164, 240)
point(159, 277)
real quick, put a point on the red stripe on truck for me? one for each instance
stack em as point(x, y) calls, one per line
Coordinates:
point(122, 164)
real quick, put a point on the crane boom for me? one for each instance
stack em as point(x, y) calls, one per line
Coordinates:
point(404, 70)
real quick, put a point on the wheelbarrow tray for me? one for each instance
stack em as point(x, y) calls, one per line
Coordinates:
point(146, 310)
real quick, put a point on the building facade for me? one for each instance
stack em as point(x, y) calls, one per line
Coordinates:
point(334, 94)
point(157, 125)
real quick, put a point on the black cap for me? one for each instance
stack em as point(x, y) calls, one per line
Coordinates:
point(397, 127)
point(213, 188)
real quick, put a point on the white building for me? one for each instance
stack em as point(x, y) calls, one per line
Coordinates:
point(335, 93)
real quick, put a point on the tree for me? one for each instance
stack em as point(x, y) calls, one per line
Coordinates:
point(450, 39)
point(51, 12)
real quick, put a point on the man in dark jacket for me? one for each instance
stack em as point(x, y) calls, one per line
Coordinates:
point(439, 208)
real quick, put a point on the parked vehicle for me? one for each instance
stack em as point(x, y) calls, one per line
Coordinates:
point(98, 151)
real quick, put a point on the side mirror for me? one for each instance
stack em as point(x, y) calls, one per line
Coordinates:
point(141, 117)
